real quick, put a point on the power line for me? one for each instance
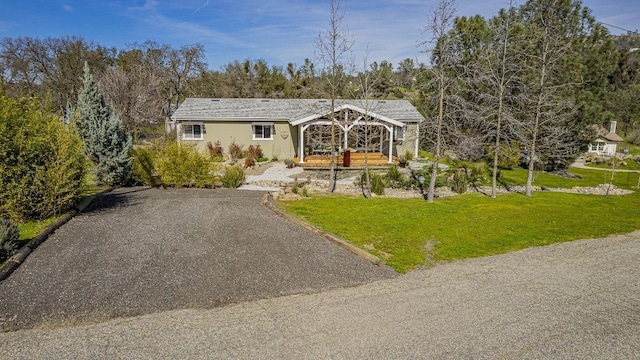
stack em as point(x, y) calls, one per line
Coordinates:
point(630, 32)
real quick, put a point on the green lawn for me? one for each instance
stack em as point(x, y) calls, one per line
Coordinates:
point(630, 165)
point(588, 178)
point(31, 229)
point(633, 149)
point(402, 230)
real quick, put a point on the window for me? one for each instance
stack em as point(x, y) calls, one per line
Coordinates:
point(262, 131)
point(597, 147)
point(192, 132)
point(399, 133)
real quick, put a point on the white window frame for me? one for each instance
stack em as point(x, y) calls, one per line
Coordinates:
point(254, 127)
point(598, 146)
point(190, 135)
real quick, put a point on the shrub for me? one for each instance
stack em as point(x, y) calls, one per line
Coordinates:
point(442, 179)
point(183, 166)
point(216, 153)
point(424, 154)
point(394, 174)
point(509, 155)
point(408, 155)
point(144, 171)
point(235, 151)
point(42, 166)
point(378, 182)
point(249, 162)
point(254, 152)
point(304, 192)
point(460, 182)
point(9, 236)
point(233, 177)
point(289, 163)
point(402, 161)
point(263, 159)
point(634, 137)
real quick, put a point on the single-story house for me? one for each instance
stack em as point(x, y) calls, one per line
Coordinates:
point(296, 128)
point(606, 142)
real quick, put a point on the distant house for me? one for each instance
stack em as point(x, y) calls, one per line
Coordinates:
point(296, 128)
point(606, 142)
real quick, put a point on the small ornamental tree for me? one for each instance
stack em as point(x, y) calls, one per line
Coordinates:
point(106, 143)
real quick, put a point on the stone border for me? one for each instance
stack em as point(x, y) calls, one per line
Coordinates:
point(21, 254)
point(267, 200)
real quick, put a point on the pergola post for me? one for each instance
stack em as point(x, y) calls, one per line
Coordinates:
point(390, 128)
point(301, 143)
point(415, 153)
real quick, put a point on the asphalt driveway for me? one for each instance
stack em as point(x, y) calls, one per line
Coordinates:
point(139, 251)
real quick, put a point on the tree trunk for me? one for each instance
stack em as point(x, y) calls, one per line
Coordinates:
point(436, 157)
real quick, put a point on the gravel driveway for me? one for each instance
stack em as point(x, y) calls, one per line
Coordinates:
point(140, 251)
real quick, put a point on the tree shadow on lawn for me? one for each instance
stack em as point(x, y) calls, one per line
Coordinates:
point(117, 198)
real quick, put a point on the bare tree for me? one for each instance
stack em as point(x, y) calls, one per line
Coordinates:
point(135, 95)
point(50, 66)
point(183, 64)
point(498, 70)
point(545, 112)
point(442, 79)
point(367, 80)
point(332, 46)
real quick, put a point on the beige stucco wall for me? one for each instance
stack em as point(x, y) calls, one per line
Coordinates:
point(409, 143)
point(283, 145)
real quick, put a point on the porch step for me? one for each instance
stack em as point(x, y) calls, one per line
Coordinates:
point(357, 160)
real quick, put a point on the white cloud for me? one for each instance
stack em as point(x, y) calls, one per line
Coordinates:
point(68, 8)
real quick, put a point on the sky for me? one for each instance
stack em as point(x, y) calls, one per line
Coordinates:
point(278, 31)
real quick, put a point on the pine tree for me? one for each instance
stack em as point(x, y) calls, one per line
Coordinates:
point(106, 144)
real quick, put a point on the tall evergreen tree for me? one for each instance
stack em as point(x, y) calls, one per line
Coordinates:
point(106, 144)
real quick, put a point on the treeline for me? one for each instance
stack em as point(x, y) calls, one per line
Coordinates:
point(146, 81)
point(593, 80)
point(524, 87)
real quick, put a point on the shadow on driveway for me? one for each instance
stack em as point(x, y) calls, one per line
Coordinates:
point(139, 251)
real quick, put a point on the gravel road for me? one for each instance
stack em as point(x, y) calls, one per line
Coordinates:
point(578, 300)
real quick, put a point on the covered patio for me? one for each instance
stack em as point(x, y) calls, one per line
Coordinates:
point(363, 133)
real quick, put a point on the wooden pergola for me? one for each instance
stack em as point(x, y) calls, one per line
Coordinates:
point(354, 125)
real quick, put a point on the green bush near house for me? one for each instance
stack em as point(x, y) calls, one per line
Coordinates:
point(43, 167)
point(377, 181)
point(143, 163)
point(233, 177)
point(180, 165)
point(173, 165)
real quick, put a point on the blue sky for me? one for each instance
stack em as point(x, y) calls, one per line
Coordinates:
point(279, 31)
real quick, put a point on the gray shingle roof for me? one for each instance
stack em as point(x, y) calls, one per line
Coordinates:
point(605, 134)
point(285, 109)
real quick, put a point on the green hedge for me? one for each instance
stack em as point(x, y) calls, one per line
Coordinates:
point(43, 167)
point(173, 165)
